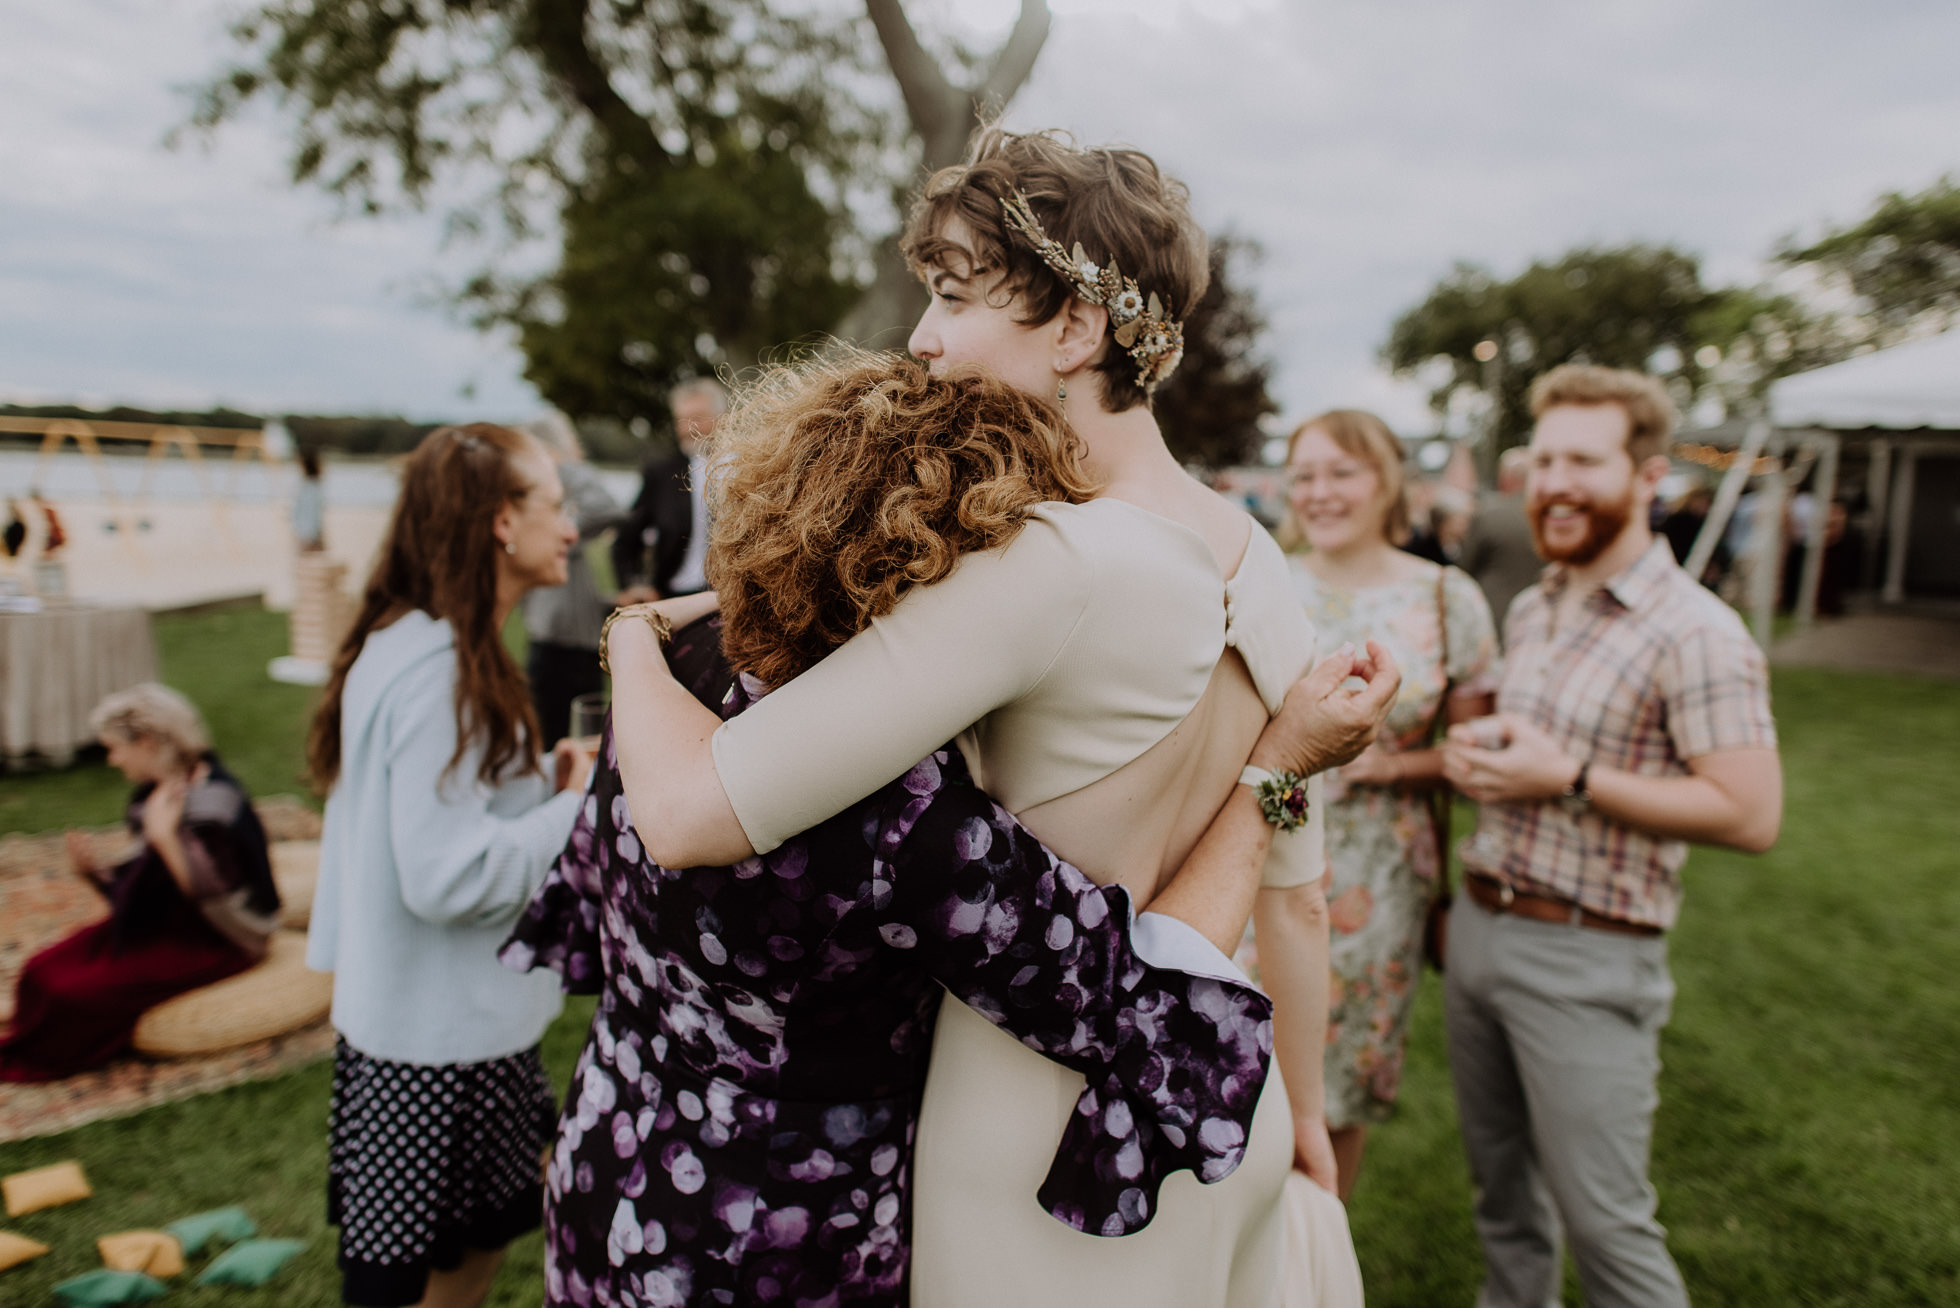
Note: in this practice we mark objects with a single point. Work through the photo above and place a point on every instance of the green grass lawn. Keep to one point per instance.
(1808, 1128)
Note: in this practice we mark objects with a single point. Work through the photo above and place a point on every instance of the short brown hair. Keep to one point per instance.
(1364, 436)
(1116, 202)
(839, 483)
(1649, 411)
(440, 556)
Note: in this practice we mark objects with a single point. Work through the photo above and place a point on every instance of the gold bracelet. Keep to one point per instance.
(663, 628)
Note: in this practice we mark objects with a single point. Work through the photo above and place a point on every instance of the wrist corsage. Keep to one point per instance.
(1282, 796)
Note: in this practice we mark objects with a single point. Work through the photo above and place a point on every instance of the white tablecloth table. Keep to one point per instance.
(58, 664)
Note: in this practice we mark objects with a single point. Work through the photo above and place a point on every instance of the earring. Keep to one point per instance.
(1061, 388)
(510, 547)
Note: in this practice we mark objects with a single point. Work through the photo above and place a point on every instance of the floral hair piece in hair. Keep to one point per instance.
(1141, 326)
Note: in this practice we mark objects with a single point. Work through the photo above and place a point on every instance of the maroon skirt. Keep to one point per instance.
(78, 1000)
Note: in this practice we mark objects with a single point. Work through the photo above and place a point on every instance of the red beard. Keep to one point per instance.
(1604, 523)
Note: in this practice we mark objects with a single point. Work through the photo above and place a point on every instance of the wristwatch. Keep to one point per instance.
(1575, 798)
(1282, 796)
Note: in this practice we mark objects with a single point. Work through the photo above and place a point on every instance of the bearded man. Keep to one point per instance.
(1633, 718)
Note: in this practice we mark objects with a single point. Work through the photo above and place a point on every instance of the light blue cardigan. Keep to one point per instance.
(421, 875)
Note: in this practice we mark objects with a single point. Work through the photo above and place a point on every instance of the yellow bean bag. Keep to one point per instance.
(274, 996)
(44, 1187)
(17, 1249)
(295, 870)
(154, 1253)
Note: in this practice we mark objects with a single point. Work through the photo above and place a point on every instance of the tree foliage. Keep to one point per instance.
(942, 109)
(1210, 408)
(1903, 260)
(1636, 306)
(694, 157)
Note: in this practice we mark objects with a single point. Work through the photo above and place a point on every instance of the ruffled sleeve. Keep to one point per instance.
(559, 928)
(1175, 1060)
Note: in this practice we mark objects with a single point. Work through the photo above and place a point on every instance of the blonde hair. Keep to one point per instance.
(839, 483)
(153, 712)
(1649, 411)
(1364, 436)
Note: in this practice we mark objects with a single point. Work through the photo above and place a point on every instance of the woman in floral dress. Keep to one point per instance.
(742, 1118)
(1345, 495)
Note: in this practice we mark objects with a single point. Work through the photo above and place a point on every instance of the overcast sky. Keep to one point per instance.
(1366, 145)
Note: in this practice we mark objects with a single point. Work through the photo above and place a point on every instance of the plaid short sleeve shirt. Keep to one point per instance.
(1655, 672)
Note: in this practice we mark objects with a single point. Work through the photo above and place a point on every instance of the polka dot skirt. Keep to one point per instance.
(426, 1162)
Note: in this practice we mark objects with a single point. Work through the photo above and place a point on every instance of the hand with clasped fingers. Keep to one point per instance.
(1506, 758)
(1323, 722)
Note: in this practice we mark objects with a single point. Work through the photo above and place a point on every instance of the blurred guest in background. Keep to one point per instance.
(1450, 514)
(310, 503)
(1383, 839)
(1498, 553)
(52, 535)
(1836, 570)
(563, 621)
(194, 904)
(441, 821)
(1634, 717)
(14, 535)
(1682, 527)
(662, 548)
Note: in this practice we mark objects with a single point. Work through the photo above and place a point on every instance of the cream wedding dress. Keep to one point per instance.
(1105, 684)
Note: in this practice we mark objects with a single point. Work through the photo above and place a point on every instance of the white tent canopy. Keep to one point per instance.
(1905, 387)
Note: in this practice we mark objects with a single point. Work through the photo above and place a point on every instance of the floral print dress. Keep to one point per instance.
(740, 1124)
(1381, 842)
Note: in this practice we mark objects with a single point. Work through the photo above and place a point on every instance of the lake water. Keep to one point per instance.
(71, 477)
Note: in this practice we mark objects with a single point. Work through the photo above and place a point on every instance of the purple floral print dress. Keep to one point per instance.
(740, 1124)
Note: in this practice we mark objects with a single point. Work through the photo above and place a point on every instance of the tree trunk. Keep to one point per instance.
(943, 117)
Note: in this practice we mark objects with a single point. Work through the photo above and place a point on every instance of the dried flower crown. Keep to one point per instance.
(1142, 326)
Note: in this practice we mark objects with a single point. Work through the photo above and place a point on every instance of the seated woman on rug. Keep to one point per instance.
(194, 904)
(742, 1118)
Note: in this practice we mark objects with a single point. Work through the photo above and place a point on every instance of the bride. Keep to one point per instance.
(1105, 675)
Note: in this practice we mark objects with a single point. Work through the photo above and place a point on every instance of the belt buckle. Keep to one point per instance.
(1505, 894)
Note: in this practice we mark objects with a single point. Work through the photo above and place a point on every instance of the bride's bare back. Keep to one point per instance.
(1137, 825)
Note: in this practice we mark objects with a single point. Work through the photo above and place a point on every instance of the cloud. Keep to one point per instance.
(1368, 146)
(129, 272)
(1365, 146)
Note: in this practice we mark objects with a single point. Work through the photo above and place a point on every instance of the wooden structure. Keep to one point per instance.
(243, 444)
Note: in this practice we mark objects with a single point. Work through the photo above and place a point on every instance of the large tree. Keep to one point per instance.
(691, 160)
(1902, 260)
(1635, 306)
(1211, 407)
(696, 163)
(942, 109)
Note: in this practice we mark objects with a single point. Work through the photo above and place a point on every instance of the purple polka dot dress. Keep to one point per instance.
(739, 1127)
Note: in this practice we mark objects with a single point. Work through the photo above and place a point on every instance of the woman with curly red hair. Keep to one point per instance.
(784, 1006)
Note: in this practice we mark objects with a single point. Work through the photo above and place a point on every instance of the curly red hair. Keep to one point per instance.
(839, 483)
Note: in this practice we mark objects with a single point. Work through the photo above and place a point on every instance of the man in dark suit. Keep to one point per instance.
(662, 547)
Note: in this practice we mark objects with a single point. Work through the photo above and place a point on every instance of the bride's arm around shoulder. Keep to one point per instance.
(707, 793)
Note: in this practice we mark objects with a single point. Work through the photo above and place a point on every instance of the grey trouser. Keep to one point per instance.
(1554, 1035)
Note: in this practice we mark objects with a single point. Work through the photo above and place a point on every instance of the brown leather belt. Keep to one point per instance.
(1498, 897)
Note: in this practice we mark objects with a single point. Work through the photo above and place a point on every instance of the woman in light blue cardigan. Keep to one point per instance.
(442, 819)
